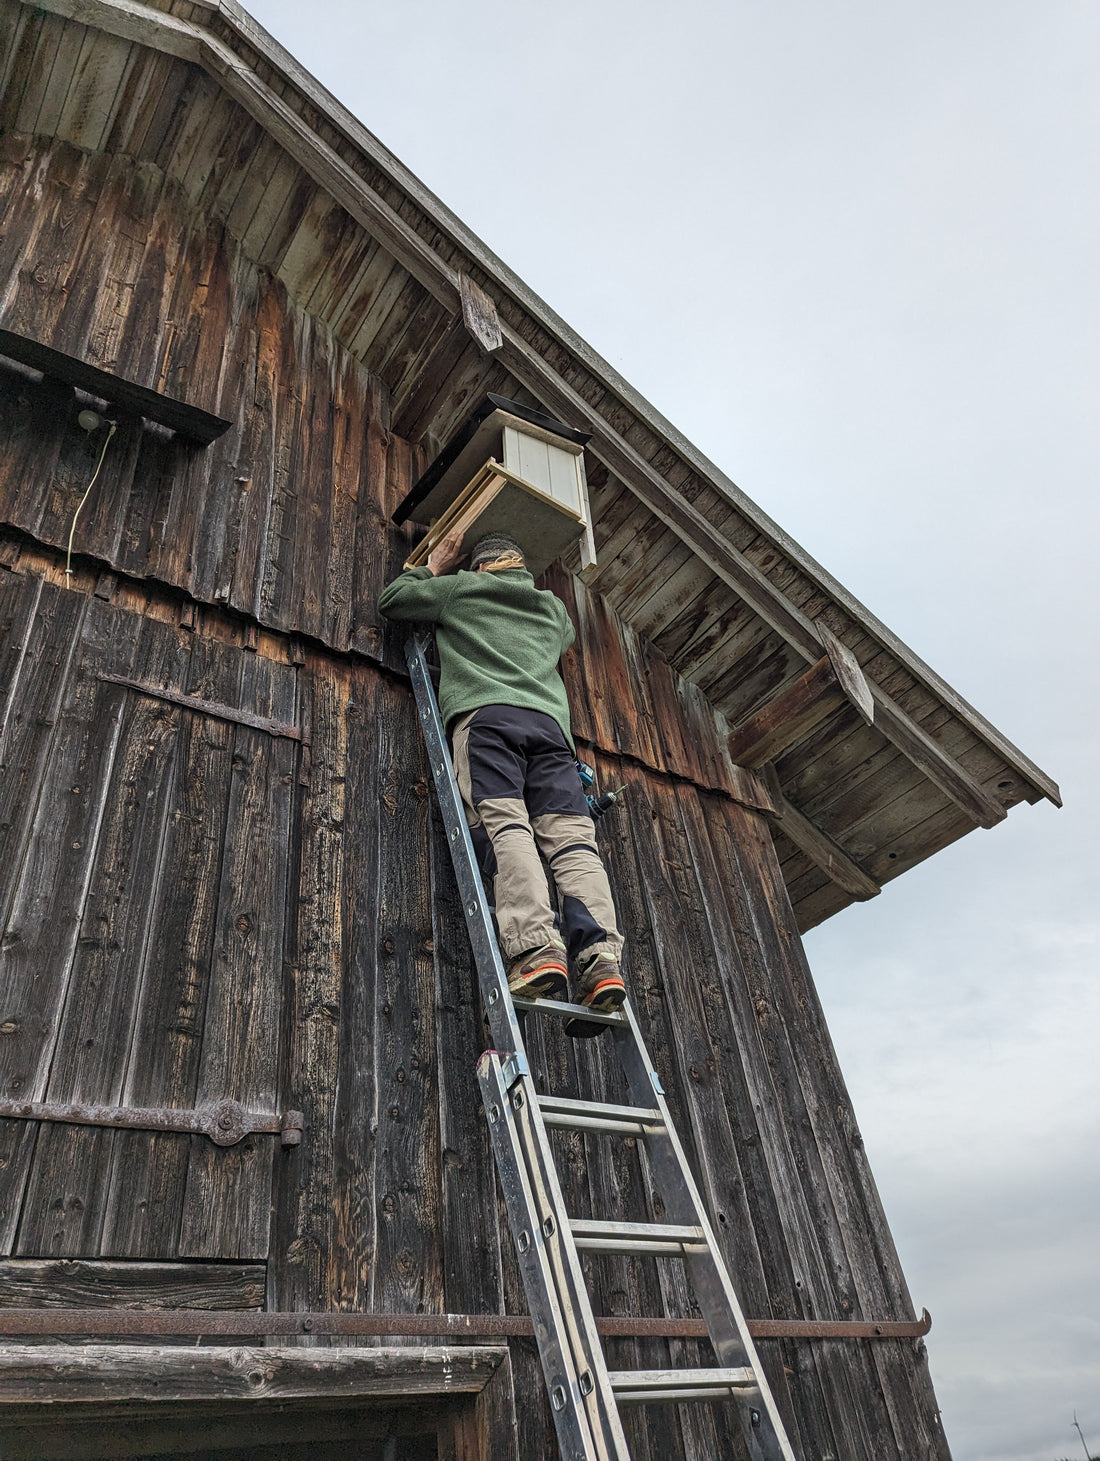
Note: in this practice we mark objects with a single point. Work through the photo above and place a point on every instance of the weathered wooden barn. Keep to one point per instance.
(222, 874)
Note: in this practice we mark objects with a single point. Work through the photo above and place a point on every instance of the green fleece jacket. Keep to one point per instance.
(499, 638)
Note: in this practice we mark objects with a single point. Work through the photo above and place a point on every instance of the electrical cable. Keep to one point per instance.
(80, 506)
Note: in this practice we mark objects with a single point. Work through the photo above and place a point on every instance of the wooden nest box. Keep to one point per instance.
(508, 469)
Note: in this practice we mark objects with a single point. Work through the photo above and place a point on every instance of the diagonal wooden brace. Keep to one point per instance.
(836, 678)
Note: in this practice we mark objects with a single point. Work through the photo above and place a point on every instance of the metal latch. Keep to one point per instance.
(224, 1122)
(513, 1068)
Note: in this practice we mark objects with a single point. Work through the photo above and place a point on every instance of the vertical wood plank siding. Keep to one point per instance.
(224, 927)
(194, 909)
(268, 519)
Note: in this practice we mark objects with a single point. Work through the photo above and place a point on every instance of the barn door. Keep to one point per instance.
(144, 849)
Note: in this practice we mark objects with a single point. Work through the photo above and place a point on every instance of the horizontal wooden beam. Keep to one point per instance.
(179, 416)
(37, 1283)
(55, 1376)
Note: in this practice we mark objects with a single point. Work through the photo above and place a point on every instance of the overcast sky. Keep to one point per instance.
(849, 247)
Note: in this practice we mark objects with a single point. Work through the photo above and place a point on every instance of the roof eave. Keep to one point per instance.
(206, 44)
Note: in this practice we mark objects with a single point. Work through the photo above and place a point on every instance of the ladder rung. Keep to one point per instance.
(642, 1387)
(608, 1237)
(600, 1116)
(572, 1011)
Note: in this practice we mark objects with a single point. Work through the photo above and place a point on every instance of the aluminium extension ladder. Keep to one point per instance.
(584, 1395)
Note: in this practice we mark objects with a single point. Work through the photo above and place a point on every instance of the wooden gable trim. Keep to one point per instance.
(188, 42)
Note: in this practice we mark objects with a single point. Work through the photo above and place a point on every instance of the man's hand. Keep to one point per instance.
(447, 553)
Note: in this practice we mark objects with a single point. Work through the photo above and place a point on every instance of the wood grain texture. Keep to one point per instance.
(361, 1010)
(138, 1372)
(55, 869)
(310, 1212)
(31, 1283)
(227, 1206)
(408, 1274)
(63, 1208)
(149, 1169)
(348, 1259)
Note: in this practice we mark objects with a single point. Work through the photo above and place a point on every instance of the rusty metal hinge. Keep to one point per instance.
(224, 1122)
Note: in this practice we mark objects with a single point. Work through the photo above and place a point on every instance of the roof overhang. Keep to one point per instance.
(684, 556)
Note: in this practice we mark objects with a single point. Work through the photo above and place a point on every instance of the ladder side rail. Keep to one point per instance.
(503, 1022)
(567, 1289)
(576, 1303)
(548, 1212)
(556, 1345)
(729, 1332)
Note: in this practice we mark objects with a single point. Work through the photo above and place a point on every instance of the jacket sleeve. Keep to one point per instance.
(417, 596)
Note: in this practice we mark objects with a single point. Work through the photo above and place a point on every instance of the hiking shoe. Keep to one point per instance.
(540, 974)
(599, 987)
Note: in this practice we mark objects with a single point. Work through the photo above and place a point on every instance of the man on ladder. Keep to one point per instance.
(505, 708)
(515, 778)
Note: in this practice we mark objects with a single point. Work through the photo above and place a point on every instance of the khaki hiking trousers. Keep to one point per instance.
(523, 797)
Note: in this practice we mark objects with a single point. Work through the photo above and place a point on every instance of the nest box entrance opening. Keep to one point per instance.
(512, 470)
